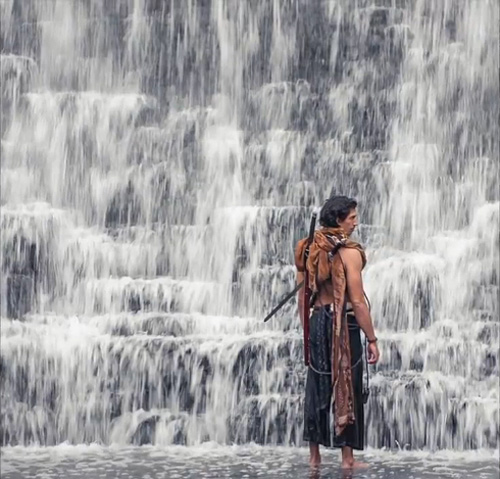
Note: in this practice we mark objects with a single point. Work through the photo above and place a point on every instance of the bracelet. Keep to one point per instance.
(370, 341)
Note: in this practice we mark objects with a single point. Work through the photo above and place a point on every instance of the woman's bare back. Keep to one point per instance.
(325, 294)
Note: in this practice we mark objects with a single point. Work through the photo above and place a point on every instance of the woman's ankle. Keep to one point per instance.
(315, 457)
(347, 456)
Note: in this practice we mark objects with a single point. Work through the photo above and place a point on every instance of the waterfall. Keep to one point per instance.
(161, 159)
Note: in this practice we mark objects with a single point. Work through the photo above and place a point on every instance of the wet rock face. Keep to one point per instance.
(160, 160)
(21, 268)
(20, 294)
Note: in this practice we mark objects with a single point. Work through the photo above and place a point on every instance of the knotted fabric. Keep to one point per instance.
(325, 264)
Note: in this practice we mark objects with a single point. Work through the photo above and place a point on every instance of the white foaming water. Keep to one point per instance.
(160, 160)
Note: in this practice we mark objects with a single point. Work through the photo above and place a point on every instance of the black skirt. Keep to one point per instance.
(318, 421)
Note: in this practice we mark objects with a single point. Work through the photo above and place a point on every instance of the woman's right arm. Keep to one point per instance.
(354, 265)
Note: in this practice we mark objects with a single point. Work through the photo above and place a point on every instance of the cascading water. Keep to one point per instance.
(159, 161)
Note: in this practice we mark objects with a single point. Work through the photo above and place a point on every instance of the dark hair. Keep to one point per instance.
(337, 207)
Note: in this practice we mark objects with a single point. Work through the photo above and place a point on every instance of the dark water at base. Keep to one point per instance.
(92, 462)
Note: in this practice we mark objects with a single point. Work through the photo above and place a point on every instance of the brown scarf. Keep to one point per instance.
(322, 267)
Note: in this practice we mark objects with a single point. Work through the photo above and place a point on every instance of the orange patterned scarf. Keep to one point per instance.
(322, 266)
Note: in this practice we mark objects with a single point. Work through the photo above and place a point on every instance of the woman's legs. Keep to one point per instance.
(314, 455)
(347, 457)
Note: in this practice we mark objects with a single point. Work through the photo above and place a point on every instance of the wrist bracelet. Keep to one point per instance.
(370, 341)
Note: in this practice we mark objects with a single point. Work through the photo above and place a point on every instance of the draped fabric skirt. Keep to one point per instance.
(318, 420)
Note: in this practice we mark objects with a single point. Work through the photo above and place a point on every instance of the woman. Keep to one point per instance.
(334, 266)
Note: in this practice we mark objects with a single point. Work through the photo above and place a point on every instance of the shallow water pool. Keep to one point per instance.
(212, 461)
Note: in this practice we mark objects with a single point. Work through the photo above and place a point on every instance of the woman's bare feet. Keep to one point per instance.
(352, 464)
(315, 462)
(348, 461)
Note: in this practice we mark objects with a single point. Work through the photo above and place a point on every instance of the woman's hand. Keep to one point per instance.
(373, 353)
